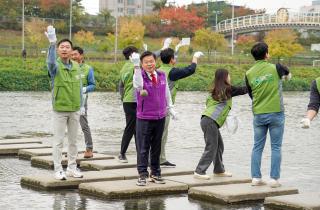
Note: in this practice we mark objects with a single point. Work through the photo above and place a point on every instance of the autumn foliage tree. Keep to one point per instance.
(131, 32)
(283, 43)
(35, 32)
(84, 38)
(245, 43)
(179, 21)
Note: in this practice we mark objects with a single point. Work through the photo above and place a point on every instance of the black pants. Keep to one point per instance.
(149, 135)
(130, 130)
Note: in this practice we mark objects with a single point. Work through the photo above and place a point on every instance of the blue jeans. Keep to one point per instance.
(274, 122)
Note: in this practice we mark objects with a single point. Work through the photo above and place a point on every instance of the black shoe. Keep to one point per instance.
(157, 179)
(142, 181)
(167, 164)
(122, 158)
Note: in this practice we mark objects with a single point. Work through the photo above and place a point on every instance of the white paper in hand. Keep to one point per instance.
(232, 123)
(185, 41)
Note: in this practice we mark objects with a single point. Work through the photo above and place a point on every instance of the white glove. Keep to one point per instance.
(198, 54)
(135, 59)
(84, 90)
(166, 43)
(305, 123)
(51, 34)
(287, 77)
(178, 46)
(232, 124)
(82, 110)
(173, 114)
(145, 47)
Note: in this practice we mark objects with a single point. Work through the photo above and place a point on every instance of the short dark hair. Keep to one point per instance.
(127, 52)
(147, 53)
(166, 55)
(259, 51)
(64, 40)
(79, 49)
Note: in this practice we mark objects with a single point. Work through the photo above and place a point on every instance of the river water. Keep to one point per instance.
(28, 114)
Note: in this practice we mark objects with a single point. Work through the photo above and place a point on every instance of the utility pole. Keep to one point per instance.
(116, 34)
(232, 30)
(70, 21)
(23, 26)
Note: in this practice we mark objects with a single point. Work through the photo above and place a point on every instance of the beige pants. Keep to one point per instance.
(61, 121)
(163, 157)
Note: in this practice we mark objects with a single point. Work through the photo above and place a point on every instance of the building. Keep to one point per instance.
(315, 7)
(127, 7)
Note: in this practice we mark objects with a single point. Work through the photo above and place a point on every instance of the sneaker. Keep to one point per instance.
(274, 183)
(201, 176)
(257, 182)
(60, 175)
(74, 173)
(122, 158)
(157, 179)
(141, 181)
(88, 153)
(224, 174)
(167, 164)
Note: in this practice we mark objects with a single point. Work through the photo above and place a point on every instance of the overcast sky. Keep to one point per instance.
(92, 6)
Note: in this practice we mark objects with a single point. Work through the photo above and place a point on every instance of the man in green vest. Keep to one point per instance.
(173, 74)
(129, 102)
(66, 86)
(264, 83)
(88, 85)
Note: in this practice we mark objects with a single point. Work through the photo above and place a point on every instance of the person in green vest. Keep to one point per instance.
(88, 86)
(264, 82)
(314, 104)
(129, 101)
(65, 76)
(173, 74)
(218, 106)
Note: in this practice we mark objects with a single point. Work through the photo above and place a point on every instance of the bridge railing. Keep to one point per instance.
(267, 19)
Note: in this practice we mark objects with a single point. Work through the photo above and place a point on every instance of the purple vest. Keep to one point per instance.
(153, 106)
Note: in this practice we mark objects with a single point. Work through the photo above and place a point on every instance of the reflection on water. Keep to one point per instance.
(28, 114)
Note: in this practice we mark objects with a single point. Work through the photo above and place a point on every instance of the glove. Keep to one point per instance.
(145, 47)
(305, 123)
(232, 124)
(178, 46)
(198, 54)
(173, 114)
(143, 92)
(287, 77)
(84, 90)
(135, 59)
(166, 43)
(82, 110)
(51, 34)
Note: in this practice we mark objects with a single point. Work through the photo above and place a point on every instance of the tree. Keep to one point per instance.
(84, 38)
(152, 22)
(131, 32)
(210, 40)
(245, 43)
(180, 22)
(283, 43)
(158, 5)
(35, 32)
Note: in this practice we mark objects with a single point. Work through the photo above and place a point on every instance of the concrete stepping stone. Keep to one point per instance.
(48, 182)
(128, 189)
(108, 164)
(28, 153)
(238, 192)
(310, 201)
(13, 149)
(192, 182)
(47, 161)
(21, 141)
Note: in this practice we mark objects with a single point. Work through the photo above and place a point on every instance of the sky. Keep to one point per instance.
(92, 6)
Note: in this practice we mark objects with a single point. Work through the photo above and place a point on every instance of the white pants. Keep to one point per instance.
(61, 120)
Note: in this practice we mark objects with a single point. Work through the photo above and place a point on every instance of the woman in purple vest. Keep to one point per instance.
(153, 103)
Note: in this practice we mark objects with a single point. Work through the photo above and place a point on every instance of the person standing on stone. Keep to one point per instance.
(88, 86)
(153, 103)
(128, 99)
(264, 82)
(173, 75)
(218, 106)
(65, 76)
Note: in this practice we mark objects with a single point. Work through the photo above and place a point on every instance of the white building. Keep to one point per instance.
(315, 7)
(127, 7)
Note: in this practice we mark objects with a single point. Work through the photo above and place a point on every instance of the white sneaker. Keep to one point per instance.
(224, 174)
(74, 173)
(60, 175)
(201, 176)
(257, 182)
(274, 183)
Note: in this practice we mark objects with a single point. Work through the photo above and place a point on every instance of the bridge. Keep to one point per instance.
(264, 22)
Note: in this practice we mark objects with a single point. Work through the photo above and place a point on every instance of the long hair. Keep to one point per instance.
(221, 90)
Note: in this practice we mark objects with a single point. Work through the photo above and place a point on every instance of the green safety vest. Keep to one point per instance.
(126, 77)
(266, 88)
(173, 86)
(85, 68)
(318, 84)
(218, 111)
(66, 91)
